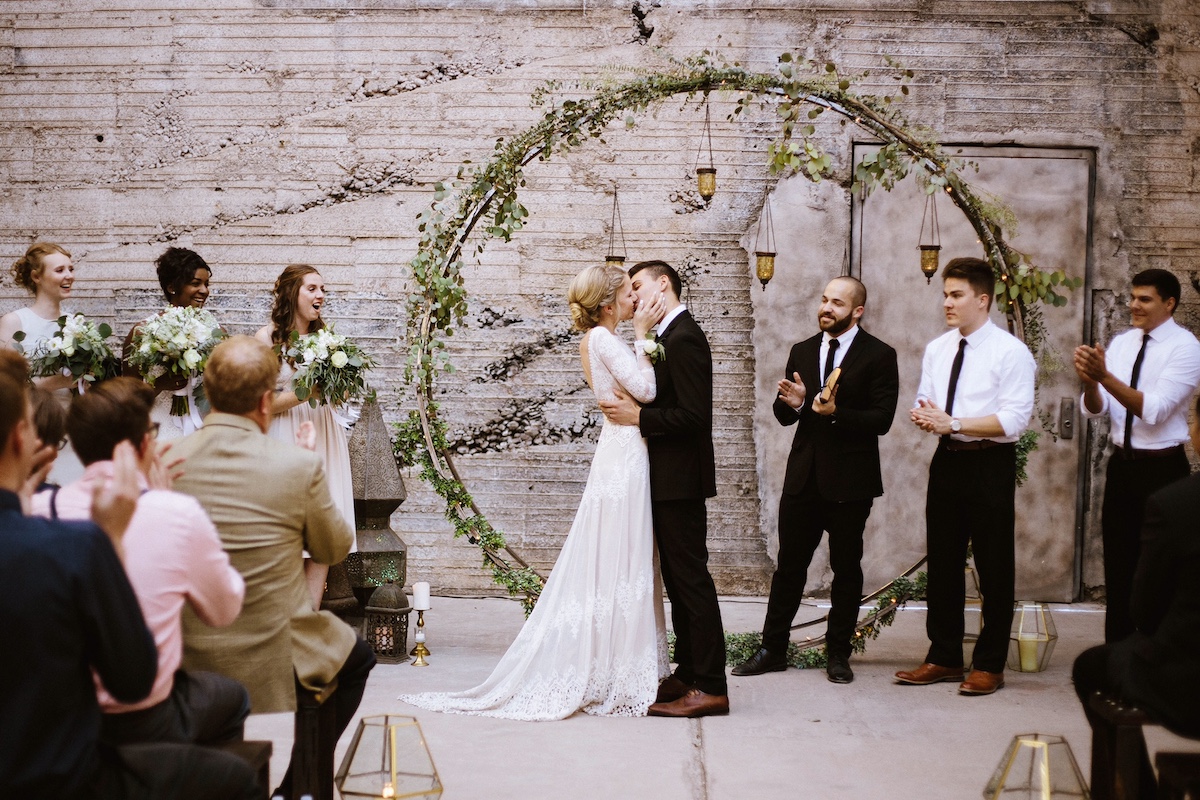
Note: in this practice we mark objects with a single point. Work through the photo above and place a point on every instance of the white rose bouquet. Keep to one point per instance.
(176, 342)
(78, 350)
(329, 367)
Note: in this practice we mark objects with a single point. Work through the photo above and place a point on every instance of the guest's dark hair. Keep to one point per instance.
(27, 269)
(240, 371)
(656, 269)
(1165, 283)
(49, 417)
(107, 414)
(14, 391)
(283, 312)
(176, 267)
(975, 271)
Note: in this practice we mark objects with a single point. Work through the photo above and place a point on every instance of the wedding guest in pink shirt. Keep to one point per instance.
(174, 559)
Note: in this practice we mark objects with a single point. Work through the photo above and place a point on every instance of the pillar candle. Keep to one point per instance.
(421, 596)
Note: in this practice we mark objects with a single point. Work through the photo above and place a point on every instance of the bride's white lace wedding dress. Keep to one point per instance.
(596, 641)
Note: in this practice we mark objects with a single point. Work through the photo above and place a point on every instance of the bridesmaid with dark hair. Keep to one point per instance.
(184, 277)
(299, 297)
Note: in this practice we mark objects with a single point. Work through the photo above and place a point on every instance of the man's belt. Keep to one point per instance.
(955, 446)
(1134, 454)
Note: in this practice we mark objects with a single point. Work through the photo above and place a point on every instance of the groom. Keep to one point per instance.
(678, 431)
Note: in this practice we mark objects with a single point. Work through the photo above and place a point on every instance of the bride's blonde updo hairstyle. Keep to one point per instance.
(591, 290)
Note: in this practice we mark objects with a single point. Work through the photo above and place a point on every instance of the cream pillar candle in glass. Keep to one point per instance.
(1027, 647)
(421, 596)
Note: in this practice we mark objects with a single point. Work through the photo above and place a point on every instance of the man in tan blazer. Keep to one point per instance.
(269, 501)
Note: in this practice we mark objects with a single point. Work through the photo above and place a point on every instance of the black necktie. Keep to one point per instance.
(1133, 382)
(955, 368)
(833, 346)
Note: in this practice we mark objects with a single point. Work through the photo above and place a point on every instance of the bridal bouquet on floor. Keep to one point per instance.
(329, 367)
(78, 351)
(177, 343)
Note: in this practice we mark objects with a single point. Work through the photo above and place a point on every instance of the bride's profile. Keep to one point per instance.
(596, 640)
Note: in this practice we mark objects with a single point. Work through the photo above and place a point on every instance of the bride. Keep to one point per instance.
(596, 641)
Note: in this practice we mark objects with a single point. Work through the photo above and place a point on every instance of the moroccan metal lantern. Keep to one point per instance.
(1037, 767)
(931, 247)
(1032, 639)
(706, 176)
(378, 491)
(615, 259)
(385, 626)
(388, 759)
(764, 247)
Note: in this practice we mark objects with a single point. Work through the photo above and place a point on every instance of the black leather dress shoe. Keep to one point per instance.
(762, 661)
(838, 670)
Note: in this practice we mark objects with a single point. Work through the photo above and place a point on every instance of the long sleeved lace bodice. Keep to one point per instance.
(613, 363)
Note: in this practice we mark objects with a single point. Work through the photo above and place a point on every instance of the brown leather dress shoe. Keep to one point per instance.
(671, 690)
(693, 704)
(980, 682)
(929, 673)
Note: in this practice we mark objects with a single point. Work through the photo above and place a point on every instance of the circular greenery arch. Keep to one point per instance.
(488, 193)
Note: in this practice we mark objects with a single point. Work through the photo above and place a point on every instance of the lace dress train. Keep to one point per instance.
(596, 640)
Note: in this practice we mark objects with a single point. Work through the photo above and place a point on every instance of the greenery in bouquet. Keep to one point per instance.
(77, 350)
(329, 367)
(176, 343)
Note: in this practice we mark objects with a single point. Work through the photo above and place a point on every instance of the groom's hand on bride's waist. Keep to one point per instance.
(622, 410)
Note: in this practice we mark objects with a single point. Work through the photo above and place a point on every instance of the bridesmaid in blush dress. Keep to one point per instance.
(299, 297)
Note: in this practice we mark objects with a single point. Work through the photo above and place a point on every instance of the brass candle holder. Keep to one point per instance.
(420, 650)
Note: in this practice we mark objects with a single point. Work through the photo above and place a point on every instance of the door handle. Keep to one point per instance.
(1066, 418)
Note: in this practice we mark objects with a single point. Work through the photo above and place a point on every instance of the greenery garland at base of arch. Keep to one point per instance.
(801, 92)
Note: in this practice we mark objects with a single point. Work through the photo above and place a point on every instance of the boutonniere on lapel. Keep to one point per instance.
(653, 348)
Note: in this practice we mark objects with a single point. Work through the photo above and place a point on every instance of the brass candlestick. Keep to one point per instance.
(420, 650)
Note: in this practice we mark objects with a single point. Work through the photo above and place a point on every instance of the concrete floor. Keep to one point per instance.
(790, 735)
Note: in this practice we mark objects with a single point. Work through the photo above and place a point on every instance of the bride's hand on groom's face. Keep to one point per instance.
(647, 314)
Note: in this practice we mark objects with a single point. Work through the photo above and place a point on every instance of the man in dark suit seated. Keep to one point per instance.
(1157, 667)
(833, 474)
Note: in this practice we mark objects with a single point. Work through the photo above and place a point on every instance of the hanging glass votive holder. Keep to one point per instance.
(764, 267)
(930, 247)
(706, 181)
(615, 259)
(764, 246)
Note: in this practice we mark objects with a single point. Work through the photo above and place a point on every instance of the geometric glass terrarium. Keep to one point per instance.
(1037, 767)
(388, 759)
(1032, 639)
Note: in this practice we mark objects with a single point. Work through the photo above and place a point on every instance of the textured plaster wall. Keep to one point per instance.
(265, 133)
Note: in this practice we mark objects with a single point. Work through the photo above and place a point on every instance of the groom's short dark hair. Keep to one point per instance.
(657, 269)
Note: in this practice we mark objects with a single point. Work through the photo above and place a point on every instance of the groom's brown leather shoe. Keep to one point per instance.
(693, 704)
(929, 673)
(980, 682)
(671, 690)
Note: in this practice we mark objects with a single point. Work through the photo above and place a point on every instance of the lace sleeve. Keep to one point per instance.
(636, 375)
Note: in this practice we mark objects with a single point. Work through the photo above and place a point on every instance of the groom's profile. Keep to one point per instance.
(677, 426)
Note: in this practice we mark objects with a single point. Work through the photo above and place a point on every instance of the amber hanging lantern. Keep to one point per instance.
(706, 176)
(764, 246)
(931, 245)
(615, 228)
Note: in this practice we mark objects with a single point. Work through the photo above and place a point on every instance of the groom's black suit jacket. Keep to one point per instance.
(842, 450)
(678, 424)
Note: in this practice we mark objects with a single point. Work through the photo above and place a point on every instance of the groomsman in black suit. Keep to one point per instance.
(683, 473)
(833, 473)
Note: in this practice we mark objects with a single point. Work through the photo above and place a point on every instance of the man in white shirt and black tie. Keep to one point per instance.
(1143, 382)
(976, 396)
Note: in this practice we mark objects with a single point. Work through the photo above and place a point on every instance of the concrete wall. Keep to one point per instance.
(264, 133)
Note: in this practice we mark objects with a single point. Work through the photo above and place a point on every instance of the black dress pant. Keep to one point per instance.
(681, 531)
(203, 708)
(1129, 483)
(351, 683)
(971, 500)
(172, 772)
(802, 520)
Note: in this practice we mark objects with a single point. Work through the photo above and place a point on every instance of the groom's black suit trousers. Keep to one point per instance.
(680, 529)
